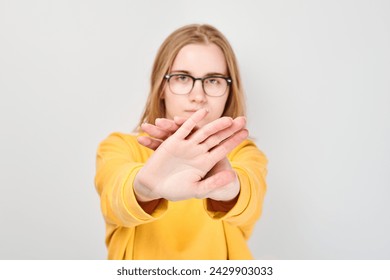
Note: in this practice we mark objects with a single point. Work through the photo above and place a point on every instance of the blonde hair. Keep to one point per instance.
(191, 34)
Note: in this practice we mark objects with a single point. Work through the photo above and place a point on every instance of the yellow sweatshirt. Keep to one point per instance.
(175, 230)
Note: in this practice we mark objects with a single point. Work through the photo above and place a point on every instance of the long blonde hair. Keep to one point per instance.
(191, 34)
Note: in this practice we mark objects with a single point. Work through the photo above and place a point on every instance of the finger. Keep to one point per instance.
(149, 142)
(190, 124)
(210, 129)
(228, 145)
(215, 139)
(218, 180)
(179, 120)
(166, 124)
(155, 131)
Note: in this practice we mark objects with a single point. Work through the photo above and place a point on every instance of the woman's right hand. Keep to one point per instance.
(177, 169)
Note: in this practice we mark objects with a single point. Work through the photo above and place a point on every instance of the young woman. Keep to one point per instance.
(188, 184)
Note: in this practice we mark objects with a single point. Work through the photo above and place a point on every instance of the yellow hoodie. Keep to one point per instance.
(175, 230)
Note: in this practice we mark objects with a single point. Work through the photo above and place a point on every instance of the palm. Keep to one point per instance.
(178, 171)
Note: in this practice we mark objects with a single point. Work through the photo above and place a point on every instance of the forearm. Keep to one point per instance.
(250, 166)
(119, 160)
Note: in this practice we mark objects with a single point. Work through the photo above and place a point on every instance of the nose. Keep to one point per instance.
(197, 94)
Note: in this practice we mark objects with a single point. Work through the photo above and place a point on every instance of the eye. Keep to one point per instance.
(214, 81)
(181, 78)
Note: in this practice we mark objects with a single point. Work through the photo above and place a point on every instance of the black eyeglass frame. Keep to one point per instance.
(228, 80)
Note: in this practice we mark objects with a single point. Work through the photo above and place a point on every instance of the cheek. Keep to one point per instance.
(220, 106)
(172, 106)
(217, 109)
(166, 101)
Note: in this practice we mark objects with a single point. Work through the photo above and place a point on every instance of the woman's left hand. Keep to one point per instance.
(163, 128)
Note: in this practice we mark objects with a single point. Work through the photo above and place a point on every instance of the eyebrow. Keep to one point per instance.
(207, 74)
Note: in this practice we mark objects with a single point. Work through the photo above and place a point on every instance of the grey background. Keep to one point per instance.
(316, 75)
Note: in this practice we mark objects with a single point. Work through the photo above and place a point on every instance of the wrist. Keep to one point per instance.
(141, 192)
(148, 204)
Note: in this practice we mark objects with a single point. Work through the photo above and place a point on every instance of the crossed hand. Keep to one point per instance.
(190, 162)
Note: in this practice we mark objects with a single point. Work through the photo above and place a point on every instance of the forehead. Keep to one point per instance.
(200, 59)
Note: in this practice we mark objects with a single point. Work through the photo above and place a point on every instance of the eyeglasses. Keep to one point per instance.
(214, 86)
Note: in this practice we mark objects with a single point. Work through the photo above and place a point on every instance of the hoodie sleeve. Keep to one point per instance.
(250, 165)
(119, 158)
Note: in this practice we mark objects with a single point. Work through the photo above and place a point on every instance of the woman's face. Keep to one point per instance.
(199, 61)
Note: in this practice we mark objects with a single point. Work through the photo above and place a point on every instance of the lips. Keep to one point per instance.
(192, 110)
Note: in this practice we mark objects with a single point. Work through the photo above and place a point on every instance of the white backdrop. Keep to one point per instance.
(316, 75)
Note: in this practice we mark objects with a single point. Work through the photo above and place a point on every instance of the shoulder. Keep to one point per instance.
(120, 142)
(248, 149)
(120, 145)
(121, 139)
(246, 145)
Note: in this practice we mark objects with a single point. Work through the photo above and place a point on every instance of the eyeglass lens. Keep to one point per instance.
(183, 84)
